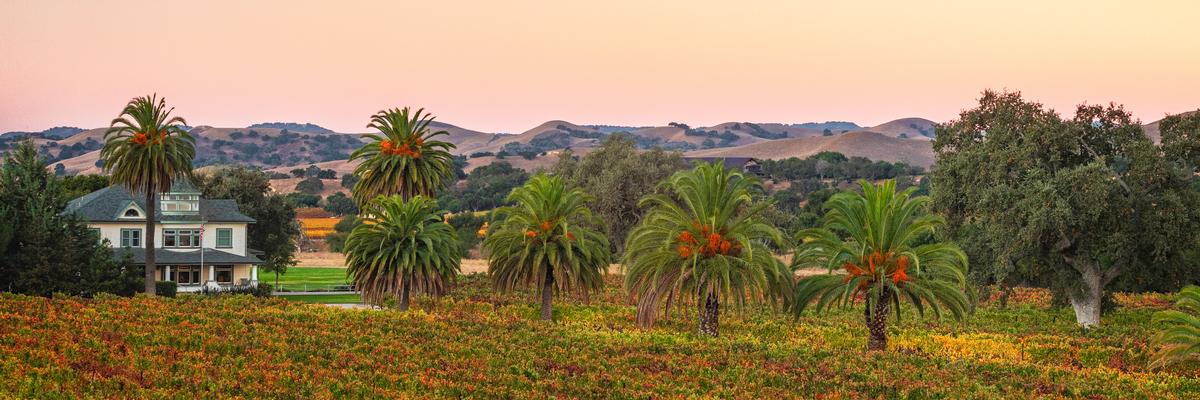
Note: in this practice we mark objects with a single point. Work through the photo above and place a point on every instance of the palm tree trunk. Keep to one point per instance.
(709, 315)
(404, 289)
(877, 321)
(148, 241)
(548, 294)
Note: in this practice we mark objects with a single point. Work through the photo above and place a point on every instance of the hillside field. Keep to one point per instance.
(477, 344)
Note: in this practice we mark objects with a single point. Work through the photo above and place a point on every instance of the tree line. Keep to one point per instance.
(836, 166)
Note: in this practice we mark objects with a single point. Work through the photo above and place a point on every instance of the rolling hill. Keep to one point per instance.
(872, 145)
(282, 146)
(905, 139)
(292, 126)
(262, 147)
(1152, 130)
(908, 128)
(55, 133)
(467, 140)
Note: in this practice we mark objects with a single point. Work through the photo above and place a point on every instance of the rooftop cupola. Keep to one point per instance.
(182, 199)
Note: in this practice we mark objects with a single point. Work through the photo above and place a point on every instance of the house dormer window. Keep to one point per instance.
(132, 211)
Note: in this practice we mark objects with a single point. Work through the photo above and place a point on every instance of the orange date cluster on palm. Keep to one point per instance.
(546, 226)
(714, 243)
(410, 148)
(144, 138)
(877, 264)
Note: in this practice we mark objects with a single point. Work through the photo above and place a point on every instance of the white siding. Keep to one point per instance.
(112, 232)
(239, 237)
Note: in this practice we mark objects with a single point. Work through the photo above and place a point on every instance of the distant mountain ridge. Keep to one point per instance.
(58, 132)
(615, 128)
(292, 126)
(861, 143)
(275, 145)
(830, 125)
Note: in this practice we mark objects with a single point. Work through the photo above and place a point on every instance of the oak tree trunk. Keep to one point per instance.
(1086, 301)
(548, 294)
(148, 242)
(709, 313)
(876, 318)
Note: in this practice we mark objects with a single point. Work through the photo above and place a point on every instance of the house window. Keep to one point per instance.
(224, 238)
(132, 213)
(96, 231)
(186, 274)
(180, 203)
(224, 273)
(131, 238)
(181, 238)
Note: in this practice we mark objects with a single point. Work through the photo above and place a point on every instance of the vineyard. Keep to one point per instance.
(477, 344)
(317, 228)
(315, 222)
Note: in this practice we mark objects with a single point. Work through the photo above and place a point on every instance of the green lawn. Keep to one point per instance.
(324, 298)
(309, 278)
(299, 279)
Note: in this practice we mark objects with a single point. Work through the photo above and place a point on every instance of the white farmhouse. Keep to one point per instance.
(199, 242)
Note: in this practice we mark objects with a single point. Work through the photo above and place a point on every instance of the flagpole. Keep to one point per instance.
(202, 250)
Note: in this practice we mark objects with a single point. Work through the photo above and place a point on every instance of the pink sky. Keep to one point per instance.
(505, 66)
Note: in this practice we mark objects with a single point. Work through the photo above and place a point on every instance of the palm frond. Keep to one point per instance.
(705, 238)
(548, 229)
(867, 246)
(402, 242)
(405, 158)
(146, 149)
(1180, 338)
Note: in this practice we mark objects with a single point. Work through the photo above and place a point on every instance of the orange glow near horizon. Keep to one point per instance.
(508, 66)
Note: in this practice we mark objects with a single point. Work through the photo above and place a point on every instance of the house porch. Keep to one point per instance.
(193, 278)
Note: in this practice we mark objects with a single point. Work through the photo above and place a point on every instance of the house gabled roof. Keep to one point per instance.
(130, 205)
(184, 186)
(108, 204)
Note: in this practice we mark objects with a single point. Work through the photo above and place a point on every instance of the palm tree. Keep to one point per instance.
(402, 247)
(873, 239)
(1180, 340)
(545, 239)
(705, 239)
(403, 159)
(146, 150)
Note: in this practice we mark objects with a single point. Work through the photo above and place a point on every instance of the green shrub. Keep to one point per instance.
(311, 185)
(166, 288)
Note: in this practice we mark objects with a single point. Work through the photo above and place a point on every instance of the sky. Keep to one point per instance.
(506, 66)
